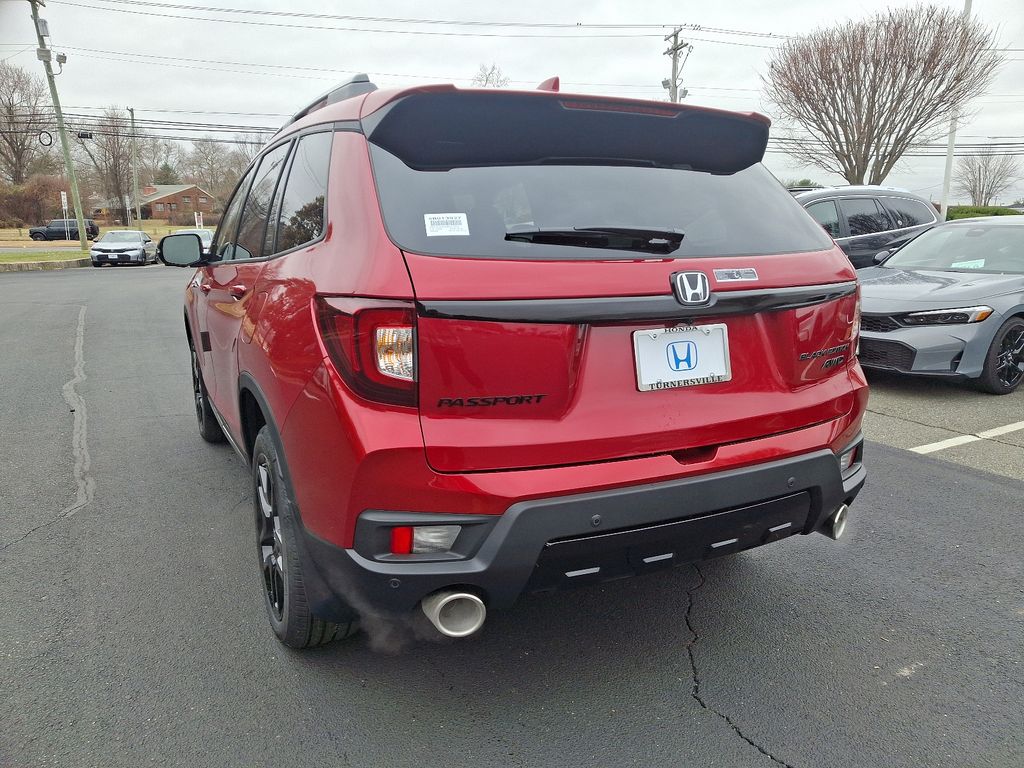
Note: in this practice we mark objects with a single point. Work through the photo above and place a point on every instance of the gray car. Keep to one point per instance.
(865, 219)
(950, 303)
(123, 246)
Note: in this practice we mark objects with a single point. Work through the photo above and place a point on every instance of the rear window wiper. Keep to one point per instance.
(643, 239)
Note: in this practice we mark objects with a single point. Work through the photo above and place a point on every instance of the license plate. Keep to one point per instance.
(683, 356)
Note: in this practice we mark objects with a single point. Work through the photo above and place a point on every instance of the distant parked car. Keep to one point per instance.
(123, 246)
(64, 229)
(950, 303)
(864, 220)
(205, 236)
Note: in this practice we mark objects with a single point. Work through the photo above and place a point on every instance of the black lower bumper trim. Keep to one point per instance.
(549, 543)
(634, 551)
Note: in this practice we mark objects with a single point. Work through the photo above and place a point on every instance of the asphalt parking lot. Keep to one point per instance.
(133, 632)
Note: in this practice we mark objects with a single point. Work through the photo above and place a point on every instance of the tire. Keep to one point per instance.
(1004, 363)
(38, 237)
(209, 429)
(96, 264)
(278, 555)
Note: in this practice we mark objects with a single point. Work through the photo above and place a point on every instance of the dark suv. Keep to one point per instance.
(864, 220)
(64, 229)
(478, 343)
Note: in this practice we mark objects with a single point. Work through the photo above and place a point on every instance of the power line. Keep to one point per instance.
(398, 31)
(446, 22)
(278, 25)
(159, 60)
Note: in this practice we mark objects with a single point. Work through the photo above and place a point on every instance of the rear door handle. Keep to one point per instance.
(238, 291)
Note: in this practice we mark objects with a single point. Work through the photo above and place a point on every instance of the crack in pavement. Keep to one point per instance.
(695, 693)
(85, 485)
(953, 432)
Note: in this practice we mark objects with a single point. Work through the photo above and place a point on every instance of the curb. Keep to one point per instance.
(37, 266)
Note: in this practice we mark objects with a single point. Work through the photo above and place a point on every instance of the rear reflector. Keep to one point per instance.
(401, 540)
(372, 344)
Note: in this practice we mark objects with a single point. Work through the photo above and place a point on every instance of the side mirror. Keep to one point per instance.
(882, 256)
(185, 250)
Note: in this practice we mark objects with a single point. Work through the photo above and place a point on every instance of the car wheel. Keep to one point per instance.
(280, 562)
(1004, 364)
(37, 237)
(96, 264)
(208, 426)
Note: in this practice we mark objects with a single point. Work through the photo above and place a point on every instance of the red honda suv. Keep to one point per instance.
(479, 343)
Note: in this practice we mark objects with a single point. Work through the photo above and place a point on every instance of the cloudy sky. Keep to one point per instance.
(179, 64)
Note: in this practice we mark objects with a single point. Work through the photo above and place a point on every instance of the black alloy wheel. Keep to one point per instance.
(282, 571)
(269, 540)
(208, 426)
(1004, 364)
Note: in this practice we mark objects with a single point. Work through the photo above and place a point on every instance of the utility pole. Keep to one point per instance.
(674, 51)
(135, 168)
(44, 54)
(951, 144)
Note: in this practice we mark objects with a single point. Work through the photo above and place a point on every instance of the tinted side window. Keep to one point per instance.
(909, 213)
(257, 207)
(864, 217)
(302, 208)
(225, 238)
(826, 214)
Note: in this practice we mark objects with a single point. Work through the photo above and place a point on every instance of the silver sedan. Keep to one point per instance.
(950, 303)
(123, 246)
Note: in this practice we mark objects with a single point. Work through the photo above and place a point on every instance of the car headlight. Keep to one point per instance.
(957, 316)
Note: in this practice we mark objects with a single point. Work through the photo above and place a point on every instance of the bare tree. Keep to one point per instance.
(490, 77)
(985, 177)
(155, 154)
(110, 153)
(247, 146)
(209, 166)
(867, 91)
(23, 115)
(244, 151)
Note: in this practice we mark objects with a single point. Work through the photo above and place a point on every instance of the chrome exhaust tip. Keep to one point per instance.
(835, 526)
(454, 613)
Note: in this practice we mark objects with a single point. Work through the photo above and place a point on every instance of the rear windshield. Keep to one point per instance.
(468, 211)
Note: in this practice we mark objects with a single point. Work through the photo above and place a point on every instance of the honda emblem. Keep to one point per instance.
(691, 288)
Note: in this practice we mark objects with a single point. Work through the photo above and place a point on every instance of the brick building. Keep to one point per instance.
(161, 201)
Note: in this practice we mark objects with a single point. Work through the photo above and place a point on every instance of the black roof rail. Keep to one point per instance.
(356, 86)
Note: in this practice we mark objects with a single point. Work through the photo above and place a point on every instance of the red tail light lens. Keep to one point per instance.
(372, 344)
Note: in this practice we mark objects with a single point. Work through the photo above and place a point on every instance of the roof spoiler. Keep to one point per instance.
(356, 86)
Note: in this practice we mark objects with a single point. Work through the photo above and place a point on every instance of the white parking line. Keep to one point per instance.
(987, 434)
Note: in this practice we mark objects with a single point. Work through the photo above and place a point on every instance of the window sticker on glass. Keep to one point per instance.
(972, 264)
(446, 224)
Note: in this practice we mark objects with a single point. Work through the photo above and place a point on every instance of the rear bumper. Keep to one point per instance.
(566, 541)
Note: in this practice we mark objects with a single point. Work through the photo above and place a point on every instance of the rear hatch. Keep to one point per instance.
(601, 279)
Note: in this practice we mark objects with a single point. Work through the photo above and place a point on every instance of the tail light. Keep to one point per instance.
(855, 331)
(372, 344)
